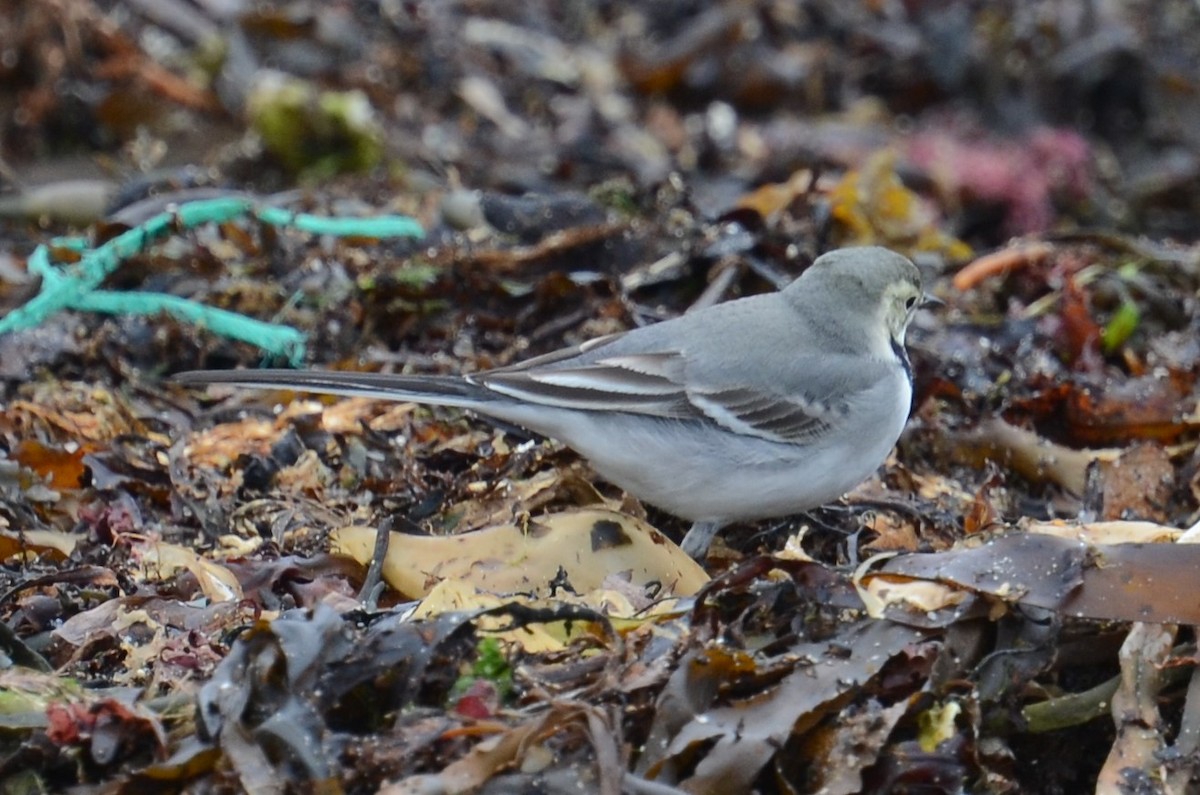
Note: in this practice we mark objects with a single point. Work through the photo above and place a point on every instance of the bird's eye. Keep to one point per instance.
(911, 302)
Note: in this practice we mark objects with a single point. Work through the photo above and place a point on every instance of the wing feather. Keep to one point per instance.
(642, 384)
(656, 384)
(776, 418)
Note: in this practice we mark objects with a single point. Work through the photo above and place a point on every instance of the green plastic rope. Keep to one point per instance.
(73, 286)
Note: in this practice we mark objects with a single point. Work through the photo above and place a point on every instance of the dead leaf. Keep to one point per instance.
(586, 545)
(58, 546)
(1116, 532)
(771, 199)
(61, 467)
(1110, 582)
(160, 560)
(745, 734)
(1027, 453)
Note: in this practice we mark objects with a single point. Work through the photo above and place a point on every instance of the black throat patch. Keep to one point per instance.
(902, 355)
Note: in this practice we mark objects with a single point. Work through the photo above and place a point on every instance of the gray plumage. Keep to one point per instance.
(754, 408)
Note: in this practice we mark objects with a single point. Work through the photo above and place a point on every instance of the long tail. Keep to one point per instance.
(441, 390)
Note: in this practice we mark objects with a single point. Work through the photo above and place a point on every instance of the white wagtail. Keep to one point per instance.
(760, 407)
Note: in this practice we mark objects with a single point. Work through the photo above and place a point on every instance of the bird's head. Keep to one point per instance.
(866, 285)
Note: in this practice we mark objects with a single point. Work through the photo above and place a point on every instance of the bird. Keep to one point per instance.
(760, 407)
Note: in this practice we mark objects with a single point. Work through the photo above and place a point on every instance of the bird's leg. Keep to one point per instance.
(698, 539)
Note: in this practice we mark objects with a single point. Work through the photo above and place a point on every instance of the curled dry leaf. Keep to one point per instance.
(580, 547)
(57, 545)
(1111, 582)
(160, 560)
(1115, 532)
(882, 594)
(1035, 458)
(746, 733)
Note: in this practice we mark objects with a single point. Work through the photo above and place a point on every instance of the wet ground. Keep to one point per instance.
(212, 589)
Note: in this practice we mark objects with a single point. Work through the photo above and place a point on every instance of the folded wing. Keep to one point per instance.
(658, 384)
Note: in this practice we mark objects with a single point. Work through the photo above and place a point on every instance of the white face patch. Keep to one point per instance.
(900, 302)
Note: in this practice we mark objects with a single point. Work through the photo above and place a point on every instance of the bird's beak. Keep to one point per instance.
(930, 301)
